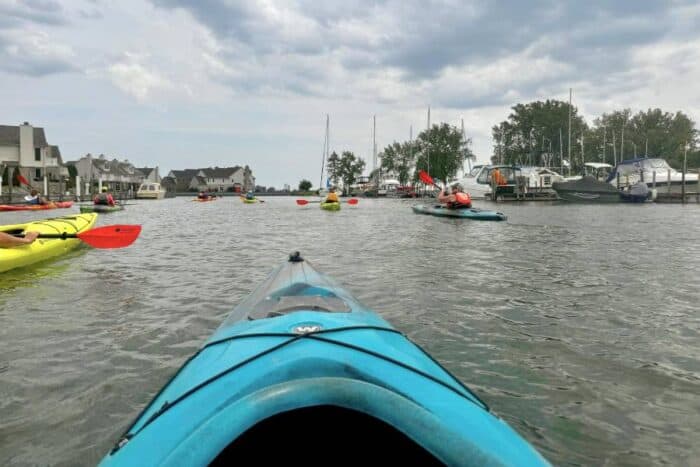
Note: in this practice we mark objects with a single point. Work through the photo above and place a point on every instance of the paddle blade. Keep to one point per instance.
(22, 180)
(111, 236)
(302, 202)
(425, 178)
(353, 201)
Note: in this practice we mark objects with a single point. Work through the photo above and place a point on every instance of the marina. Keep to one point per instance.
(349, 233)
(580, 332)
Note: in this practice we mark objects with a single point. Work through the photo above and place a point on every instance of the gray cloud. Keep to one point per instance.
(33, 54)
(421, 40)
(46, 12)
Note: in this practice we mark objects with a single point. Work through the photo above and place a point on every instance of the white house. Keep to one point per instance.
(24, 149)
(99, 171)
(235, 178)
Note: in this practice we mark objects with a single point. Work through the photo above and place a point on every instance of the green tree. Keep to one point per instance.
(653, 133)
(304, 185)
(333, 167)
(441, 151)
(349, 168)
(537, 134)
(399, 158)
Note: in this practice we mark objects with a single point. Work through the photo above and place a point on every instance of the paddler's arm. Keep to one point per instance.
(8, 241)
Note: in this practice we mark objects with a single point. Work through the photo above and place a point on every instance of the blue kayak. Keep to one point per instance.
(302, 373)
(465, 213)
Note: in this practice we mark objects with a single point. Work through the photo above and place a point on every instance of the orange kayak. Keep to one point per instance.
(35, 207)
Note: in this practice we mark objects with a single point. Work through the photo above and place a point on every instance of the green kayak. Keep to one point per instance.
(464, 213)
(330, 206)
(101, 208)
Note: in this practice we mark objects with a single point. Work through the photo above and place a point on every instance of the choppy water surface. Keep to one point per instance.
(579, 325)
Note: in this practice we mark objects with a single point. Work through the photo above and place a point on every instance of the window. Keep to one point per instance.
(37, 154)
(37, 174)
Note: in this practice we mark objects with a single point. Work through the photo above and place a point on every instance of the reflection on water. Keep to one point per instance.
(576, 324)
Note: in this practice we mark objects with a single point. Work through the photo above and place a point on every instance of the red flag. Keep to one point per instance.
(21, 179)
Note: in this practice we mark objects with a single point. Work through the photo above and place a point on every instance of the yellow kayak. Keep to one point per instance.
(44, 248)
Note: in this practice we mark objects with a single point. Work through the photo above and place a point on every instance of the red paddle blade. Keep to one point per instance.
(353, 201)
(425, 178)
(22, 180)
(302, 202)
(111, 236)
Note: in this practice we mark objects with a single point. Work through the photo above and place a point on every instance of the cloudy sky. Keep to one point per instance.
(184, 84)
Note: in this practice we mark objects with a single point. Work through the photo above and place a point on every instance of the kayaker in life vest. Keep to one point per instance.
(9, 241)
(250, 195)
(455, 197)
(35, 198)
(332, 196)
(105, 198)
(202, 195)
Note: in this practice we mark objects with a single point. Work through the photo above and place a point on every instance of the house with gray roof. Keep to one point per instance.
(235, 178)
(101, 170)
(24, 150)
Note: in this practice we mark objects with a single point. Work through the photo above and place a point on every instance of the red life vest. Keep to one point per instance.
(463, 199)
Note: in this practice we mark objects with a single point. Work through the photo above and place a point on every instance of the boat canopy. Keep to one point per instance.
(633, 167)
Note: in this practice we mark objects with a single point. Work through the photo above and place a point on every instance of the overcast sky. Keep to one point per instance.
(185, 84)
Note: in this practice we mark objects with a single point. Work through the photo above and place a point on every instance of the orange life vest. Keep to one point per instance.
(463, 199)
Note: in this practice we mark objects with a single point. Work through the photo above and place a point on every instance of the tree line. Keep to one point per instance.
(537, 134)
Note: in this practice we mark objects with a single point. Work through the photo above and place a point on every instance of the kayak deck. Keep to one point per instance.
(330, 206)
(42, 248)
(463, 213)
(36, 207)
(302, 365)
(102, 208)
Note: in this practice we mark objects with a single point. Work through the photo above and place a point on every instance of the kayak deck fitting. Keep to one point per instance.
(301, 369)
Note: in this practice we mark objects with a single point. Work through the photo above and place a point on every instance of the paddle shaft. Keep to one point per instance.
(62, 236)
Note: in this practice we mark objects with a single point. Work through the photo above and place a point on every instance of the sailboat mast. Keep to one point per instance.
(569, 146)
(428, 145)
(469, 160)
(377, 171)
(325, 153)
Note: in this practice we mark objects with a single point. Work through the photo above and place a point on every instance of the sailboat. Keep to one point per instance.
(323, 188)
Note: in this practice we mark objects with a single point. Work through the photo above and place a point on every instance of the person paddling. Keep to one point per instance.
(455, 198)
(332, 196)
(250, 195)
(104, 199)
(9, 241)
(35, 198)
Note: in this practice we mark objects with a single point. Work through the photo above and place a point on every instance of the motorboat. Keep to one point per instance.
(150, 190)
(652, 171)
(587, 189)
(478, 181)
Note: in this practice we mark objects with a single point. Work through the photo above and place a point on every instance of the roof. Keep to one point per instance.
(9, 136)
(597, 165)
(221, 172)
(145, 170)
(185, 174)
(55, 152)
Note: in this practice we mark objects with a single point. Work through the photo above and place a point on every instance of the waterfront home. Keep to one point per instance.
(235, 179)
(150, 174)
(24, 150)
(96, 172)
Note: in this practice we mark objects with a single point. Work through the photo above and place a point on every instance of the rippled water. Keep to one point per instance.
(579, 325)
